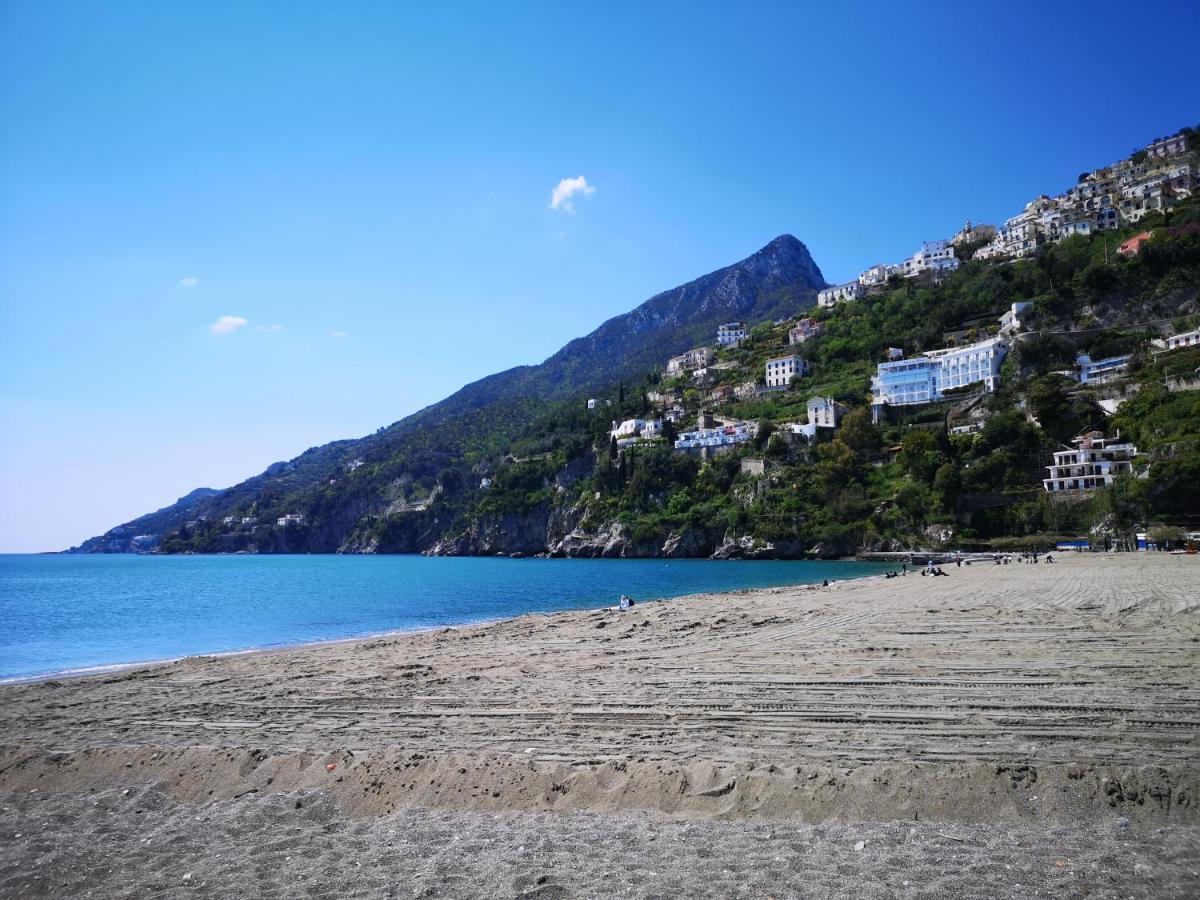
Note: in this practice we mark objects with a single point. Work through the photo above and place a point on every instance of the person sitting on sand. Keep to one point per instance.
(626, 601)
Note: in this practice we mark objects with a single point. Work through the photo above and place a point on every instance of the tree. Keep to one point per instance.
(670, 432)
(859, 434)
(919, 455)
(948, 484)
(765, 430)
(1125, 503)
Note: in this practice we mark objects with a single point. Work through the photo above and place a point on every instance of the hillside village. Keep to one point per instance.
(1020, 385)
(1156, 179)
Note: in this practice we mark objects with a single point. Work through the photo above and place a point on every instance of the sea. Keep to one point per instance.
(75, 614)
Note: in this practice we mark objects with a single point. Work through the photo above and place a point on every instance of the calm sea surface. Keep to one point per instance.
(66, 613)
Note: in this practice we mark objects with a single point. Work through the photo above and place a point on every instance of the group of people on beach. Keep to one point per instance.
(1031, 558)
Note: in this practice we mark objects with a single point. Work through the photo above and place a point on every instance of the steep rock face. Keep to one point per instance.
(780, 279)
(510, 534)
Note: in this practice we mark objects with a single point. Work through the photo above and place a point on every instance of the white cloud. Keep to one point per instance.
(190, 282)
(270, 329)
(335, 333)
(560, 198)
(226, 324)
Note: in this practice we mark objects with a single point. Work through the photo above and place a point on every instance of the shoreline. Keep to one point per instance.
(1031, 715)
(125, 666)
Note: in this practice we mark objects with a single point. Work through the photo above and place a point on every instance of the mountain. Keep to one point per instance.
(388, 491)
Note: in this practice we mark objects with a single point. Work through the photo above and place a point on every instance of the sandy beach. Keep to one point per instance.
(1004, 731)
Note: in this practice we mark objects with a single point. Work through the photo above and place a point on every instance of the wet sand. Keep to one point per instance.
(1044, 717)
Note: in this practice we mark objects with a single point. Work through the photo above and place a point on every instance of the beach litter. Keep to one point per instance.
(329, 767)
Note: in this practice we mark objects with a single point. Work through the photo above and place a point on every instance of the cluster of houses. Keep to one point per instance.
(1104, 199)
(934, 260)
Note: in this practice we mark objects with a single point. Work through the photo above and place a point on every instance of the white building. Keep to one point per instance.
(934, 256)
(1095, 462)
(695, 359)
(824, 412)
(925, 378)
(289, 519)
(1187, 339)
(1010, 322)
(878, 274)
(781, 370)
(1020, 236)
(632, 428)
(731, 333)
(978, 362)
(1101, 370)
(851, 290)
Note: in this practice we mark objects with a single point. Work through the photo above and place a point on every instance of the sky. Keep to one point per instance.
(232, 231)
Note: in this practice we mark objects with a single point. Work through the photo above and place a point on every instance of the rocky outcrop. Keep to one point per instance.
(747, 547)
(689, 543)
(507, 534)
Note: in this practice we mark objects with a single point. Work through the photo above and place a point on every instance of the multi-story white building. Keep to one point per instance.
(1021, 235)
(824, 412)
(1075, 224)
(695, 359)
(905, 382)
(1095, 462)
(878, 274)
(731, 333)
(978, 362)
(1166, 147)
(925, 378)
(1099, 371)
(289, 519)
(782, 369)
(934, 256)
(803, 330)
(851, 290)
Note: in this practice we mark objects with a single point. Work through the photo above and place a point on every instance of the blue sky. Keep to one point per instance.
(368, 187)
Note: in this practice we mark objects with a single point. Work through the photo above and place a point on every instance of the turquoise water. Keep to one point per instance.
(67, 613)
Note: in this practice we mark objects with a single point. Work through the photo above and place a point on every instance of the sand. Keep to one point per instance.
(1004, 731)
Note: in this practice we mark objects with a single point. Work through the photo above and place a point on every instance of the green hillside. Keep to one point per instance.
(545, 477)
